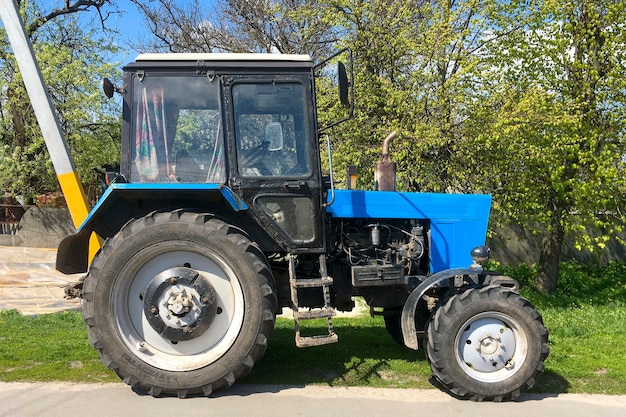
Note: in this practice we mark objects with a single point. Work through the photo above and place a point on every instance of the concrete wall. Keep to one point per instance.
(41, 227)
(513, 245)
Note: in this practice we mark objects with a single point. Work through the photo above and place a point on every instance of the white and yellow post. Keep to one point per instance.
(46, 117)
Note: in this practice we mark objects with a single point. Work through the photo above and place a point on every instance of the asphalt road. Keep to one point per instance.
(118, 400)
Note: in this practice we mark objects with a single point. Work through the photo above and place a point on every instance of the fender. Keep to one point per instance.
(477, 276)
(122, 202)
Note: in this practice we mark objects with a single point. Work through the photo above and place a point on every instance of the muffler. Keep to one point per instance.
(385, 169)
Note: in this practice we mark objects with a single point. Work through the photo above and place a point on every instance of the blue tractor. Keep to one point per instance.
(221, 218)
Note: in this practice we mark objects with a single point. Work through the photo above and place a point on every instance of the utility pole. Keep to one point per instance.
(46, 116)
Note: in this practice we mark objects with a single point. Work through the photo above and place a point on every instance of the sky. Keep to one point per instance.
(129, 23)
(131, 27)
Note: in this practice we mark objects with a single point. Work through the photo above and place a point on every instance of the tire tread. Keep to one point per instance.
(440, 322)
(235, 236)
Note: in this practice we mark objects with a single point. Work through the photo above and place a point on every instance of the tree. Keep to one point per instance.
(524, 100)
(288, 26)
(72, 60)
(409, 63)
(415, 66)
(552, 128)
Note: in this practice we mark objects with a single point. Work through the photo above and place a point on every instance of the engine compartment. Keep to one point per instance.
(385, 242)
(384, 251)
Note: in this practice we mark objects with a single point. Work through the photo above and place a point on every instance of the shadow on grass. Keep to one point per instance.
(551, 383)
(365, 356)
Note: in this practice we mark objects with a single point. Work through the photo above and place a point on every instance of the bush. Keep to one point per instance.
(579, 284)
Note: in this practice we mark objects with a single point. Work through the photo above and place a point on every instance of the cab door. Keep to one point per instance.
(275, 166)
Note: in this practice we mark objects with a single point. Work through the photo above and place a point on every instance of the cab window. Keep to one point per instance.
(177, 130)
(270, 130)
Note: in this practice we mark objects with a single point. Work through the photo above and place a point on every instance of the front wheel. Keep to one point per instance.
(179, 303)
(487, 343)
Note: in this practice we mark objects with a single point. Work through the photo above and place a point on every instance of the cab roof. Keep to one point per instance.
(223, 57)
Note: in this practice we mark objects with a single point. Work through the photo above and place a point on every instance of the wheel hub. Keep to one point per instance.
(488, 345)
(180, 304)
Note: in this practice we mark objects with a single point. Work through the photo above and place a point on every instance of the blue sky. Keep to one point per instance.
(131, 27)
(129, 23)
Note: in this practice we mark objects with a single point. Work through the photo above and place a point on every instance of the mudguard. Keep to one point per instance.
(125, 201)
(478, 276)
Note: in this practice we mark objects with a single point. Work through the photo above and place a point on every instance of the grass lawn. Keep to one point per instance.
(587, 341)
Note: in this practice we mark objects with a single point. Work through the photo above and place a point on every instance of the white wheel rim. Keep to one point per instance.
(144, 342)
(491, 347)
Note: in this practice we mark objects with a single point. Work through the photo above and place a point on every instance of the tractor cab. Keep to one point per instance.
(246, 121)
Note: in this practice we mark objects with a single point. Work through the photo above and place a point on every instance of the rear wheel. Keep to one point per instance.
(179, 303)
(393, 324)
(487, 344)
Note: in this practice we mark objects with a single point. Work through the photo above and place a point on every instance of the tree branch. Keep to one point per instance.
(69, 7)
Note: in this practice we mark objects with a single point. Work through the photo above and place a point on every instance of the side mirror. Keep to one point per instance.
(343, 84)
(274, 135)
(109, 88)
(343, 78)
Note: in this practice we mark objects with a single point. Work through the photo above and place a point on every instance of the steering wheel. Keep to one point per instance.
(254, 157)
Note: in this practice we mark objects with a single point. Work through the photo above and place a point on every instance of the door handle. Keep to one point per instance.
(294, 184)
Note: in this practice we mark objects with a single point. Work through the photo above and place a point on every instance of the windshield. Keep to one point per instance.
(271, 129)
(177, 130)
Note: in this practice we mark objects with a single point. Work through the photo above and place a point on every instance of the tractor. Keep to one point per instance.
(221, 217)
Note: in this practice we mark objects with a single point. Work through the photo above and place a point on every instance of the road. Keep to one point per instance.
(118, 400)
(30, 284)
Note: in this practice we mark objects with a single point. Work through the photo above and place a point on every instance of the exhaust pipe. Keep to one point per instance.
(385, 169)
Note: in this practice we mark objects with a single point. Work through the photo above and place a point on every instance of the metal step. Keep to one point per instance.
(321, 313)
(312, 282)
(326, 312)
(319, 340)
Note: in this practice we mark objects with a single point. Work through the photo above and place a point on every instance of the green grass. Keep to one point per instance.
(587, 350)
(364, 356)
(49, 347)
(586, 319)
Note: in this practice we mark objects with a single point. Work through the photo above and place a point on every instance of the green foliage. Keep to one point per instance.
(550, 128)
(413, 74)
(524, 101)
(580, 285)
(73, 60)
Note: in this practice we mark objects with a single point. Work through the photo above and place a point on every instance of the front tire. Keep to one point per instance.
(179, 303)
(487, 343)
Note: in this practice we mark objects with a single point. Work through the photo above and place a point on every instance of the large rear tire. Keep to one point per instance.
(487, 343)
(179, 303)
